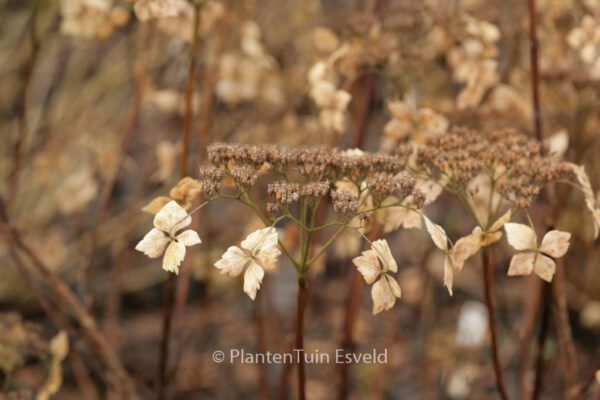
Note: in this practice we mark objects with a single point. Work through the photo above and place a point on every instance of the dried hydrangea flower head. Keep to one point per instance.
(474, 61)
(168, 223)
(534, 258)
(258, 252)
(378, 262)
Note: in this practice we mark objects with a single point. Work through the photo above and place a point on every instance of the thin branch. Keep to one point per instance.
(121, 379)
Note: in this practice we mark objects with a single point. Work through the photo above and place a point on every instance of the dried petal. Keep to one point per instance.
(172, 218)
(384, 253)
(544, 267)
(520, 237)
(233, 261)
(173, 257)
(521, 264)
(252, 279)
(437, 233)
(153, 244)
(555, 243)
(368, 265)
(189, 238)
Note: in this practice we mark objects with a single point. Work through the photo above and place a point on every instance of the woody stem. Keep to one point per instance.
(488, 280)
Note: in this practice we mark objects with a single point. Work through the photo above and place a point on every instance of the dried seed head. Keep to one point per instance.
(244, 174)
(344, 202)
(210, 177)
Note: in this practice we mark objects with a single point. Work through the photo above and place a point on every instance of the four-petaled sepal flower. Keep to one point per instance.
(258, 252)
(376, 263)
(533, 258)
(171, 219)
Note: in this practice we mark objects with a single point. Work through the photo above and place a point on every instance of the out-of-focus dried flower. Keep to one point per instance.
(406, 122)
(171, 219)
(166, 154)
(585, 39)
(248, 75)
(149, 9)
(258, 253)
(331, 101)
(77, 190)
(91, 18)
(377, 263)
(59, 348)
(474, 61)
(186, 191)
(533, 258)
(325, 40)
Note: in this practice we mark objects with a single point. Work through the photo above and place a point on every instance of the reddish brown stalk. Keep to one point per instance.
(361, 107)
(188, 117)
(23, 110)
(532, 301)
(535, 75)
(299, 340)
(205, 123)
(170, 283)
(488, 280)
(542, 337)
(261, 344)
(117, 373)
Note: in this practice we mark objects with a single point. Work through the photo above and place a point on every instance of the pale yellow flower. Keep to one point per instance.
(171, 219)
(377, 263)
(533, 258)
(258, 252)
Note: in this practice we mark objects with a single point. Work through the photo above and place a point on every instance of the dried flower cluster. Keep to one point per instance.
(418, 125)
(474, 62)
(515, 163)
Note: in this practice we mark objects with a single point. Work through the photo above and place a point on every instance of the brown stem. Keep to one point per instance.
(262, 348)
(535, 78)
(488, 280)
(188, 117)
(168, 293)
(532, 301)
(169, 287)
(543, 335)
(205, 123)
(121, 379)
(299, 341)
